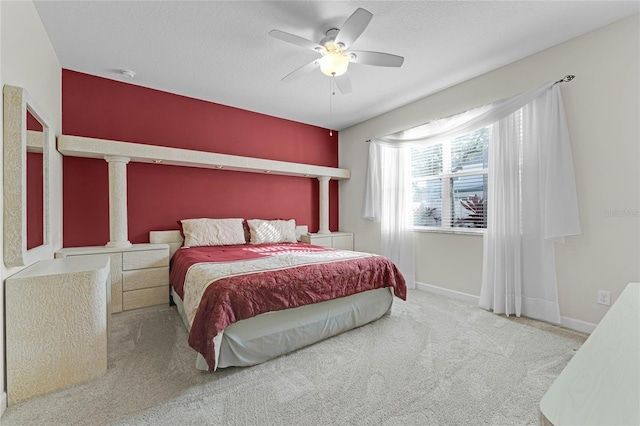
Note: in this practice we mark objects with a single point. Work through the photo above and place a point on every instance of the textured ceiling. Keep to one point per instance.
(221, 51)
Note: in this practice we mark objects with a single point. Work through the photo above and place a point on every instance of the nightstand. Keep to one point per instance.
(139, 274)
(339, 240)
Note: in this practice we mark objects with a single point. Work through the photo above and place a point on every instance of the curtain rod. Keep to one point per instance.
(567, 78)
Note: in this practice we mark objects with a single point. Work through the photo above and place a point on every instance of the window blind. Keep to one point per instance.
(449, 182)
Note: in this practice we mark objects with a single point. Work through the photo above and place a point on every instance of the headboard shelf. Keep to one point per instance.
(119, 154)
(77, 146)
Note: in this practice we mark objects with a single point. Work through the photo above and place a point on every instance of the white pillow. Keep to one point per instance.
(213, 232)
(272, 231)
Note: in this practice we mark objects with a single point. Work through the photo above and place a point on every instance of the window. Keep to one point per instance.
(449, 182)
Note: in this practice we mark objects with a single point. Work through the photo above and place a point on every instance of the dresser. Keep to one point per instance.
(339, 240)
(139, 273)
(57, 320)
(601, 383)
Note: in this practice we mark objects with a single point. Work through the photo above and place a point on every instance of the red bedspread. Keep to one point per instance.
(231, 299)
(185, 257)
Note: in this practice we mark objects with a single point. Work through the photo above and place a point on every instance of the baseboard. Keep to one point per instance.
(3, 403)
(570, 323)
(452, 294)
(577, 325)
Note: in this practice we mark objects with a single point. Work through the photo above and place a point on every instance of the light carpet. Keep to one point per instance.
(432, 361)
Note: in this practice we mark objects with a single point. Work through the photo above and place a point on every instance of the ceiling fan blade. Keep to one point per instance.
(375, 58)
(344, 83)
(300, 71)
(353, 27)
(297, 40)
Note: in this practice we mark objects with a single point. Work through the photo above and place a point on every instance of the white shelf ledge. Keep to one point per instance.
(76, 146)
(118, 154)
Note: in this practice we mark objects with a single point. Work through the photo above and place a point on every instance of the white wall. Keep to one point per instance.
(603, 110)
(29, 61)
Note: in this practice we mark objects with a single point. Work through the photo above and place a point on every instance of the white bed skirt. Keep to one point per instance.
(266, 336)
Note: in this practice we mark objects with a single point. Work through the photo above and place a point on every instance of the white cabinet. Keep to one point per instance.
(339, 240)
(139, 274)
(601, 383)
(57, 325)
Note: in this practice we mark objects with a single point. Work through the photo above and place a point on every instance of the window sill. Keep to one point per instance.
(457, 231)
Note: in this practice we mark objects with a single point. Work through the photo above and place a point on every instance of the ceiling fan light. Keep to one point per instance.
(334, 64)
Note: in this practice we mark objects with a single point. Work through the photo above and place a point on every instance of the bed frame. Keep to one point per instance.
(258, 339)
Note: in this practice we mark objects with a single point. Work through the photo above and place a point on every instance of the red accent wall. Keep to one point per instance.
(159, 195)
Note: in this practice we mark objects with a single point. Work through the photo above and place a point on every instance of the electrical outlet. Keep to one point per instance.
(604, 297)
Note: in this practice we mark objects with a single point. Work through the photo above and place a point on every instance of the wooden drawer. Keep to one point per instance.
(145, 297)
(131, 264)
(144, 278)
(142, 259)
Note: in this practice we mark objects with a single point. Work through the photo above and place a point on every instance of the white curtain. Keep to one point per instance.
(388, 201)
(546, 210)
(501, 270)
(531, 196)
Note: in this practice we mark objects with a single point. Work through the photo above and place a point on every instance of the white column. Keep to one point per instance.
(118, 231)
(324, 205)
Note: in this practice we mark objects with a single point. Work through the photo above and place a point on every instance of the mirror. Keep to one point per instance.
(27, 140)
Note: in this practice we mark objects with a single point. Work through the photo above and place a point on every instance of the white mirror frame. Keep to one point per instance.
(16, 102)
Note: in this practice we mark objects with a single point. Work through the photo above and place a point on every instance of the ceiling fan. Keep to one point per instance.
(334, 50)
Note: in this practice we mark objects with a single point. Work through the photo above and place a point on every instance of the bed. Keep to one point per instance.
(244, 304)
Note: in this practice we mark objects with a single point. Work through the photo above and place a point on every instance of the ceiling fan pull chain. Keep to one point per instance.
(331, 93)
